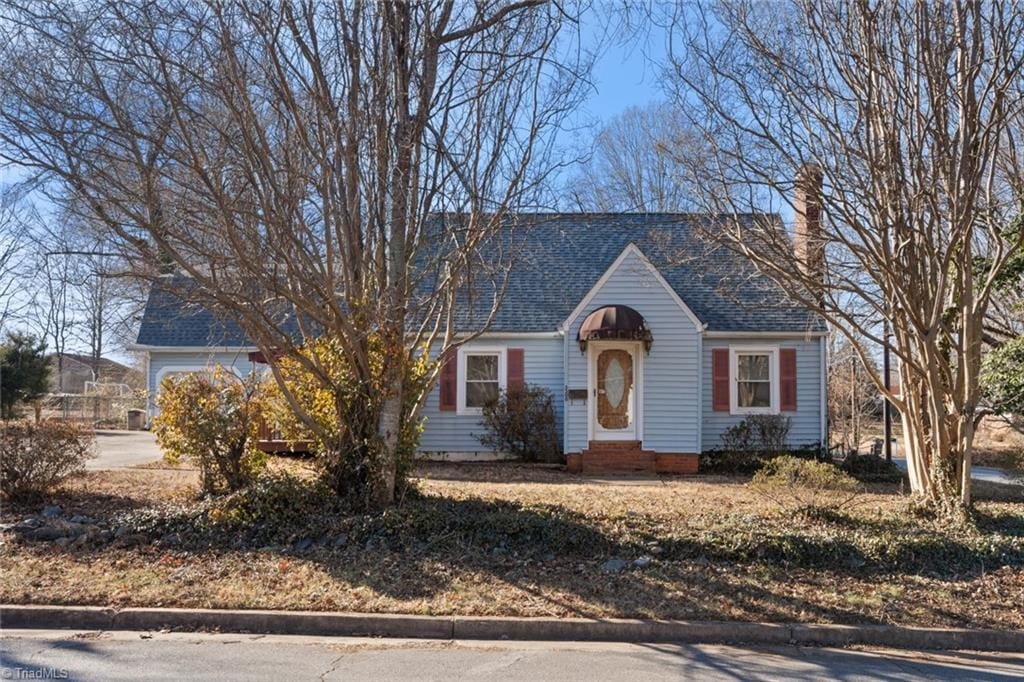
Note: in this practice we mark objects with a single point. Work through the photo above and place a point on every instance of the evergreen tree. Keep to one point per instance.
(24, 371)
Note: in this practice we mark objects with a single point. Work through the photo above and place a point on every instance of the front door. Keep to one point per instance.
(614, 389)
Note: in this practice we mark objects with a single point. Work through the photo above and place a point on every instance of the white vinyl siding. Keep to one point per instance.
(805, 422)
(671, 371)
(452, 432)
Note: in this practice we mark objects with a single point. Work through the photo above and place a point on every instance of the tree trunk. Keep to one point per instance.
(968, 457)
(937, 449)
(388, 431)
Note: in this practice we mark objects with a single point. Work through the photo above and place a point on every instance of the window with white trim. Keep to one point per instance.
(482, 378)
(176, 373)
(754, 380)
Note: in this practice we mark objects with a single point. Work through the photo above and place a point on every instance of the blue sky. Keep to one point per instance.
(625, 76)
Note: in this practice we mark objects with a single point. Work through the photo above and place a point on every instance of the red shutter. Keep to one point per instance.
(516, 374)
(449, 382)
(720, 379)
(787, 379)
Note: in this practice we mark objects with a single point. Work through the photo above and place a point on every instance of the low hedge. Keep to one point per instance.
(747, 462)
(35, 458)
(872, 469)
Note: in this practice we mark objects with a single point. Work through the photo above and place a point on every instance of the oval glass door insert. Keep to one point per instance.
(614, 389)
(614, 382)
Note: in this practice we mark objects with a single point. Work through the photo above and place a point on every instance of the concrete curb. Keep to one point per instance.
(495, 628)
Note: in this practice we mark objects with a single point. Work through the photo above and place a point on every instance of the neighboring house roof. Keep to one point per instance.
(78, 369)
(559, 257)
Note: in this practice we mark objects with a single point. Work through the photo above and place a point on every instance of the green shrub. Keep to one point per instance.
(522, 423)
(24, 372)
(213, 421)
(750, 444)
(740, 462)
(805, 487)
(36, 457)
(1002, 378)
(763, 433)
(872, 469)
(276, 501)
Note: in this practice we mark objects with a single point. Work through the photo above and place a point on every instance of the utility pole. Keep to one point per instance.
(854, 402)
(886, 405)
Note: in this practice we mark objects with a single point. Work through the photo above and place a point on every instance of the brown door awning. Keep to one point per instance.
(615, 322)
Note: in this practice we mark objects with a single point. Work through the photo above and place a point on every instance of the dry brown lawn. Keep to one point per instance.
(998, 445)
(526, 541)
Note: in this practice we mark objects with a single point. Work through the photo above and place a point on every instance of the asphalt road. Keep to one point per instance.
(29, 654)
(121, 449)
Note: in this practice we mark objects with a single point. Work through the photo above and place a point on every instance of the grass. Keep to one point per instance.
(528, 541)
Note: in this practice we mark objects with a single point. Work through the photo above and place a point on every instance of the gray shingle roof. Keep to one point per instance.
(558, 259)
(170, 321)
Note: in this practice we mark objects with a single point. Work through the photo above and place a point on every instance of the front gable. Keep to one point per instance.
(637, 278)
(669, 414)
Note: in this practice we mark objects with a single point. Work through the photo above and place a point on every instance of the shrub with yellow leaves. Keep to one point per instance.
(342, 412)
(212, 420)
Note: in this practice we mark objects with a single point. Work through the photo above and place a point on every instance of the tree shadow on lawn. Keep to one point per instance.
(559, 557)
(526, 472)
(86, 502)
(422, 548)
(990, 491)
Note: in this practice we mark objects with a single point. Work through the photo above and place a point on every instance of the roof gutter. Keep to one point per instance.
(145, 348)
(717, 334)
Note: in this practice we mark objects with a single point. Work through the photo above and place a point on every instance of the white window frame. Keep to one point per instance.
(162, 373)
(501, 352)
(773, 378)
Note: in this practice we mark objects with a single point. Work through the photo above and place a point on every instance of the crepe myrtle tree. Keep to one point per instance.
(289, 159)
(900, 125)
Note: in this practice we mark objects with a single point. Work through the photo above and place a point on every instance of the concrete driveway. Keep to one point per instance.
(122, 449)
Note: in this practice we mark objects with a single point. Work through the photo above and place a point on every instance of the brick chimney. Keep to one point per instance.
(808, 244)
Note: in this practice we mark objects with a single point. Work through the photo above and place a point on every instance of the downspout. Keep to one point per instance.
(565, 391)
(700, 388)
(824, 393)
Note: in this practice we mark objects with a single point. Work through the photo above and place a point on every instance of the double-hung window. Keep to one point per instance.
(754, 381)
(482, 377)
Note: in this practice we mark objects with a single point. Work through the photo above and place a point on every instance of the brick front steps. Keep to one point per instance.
(623, 457)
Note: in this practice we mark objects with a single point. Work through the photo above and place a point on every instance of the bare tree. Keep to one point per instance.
(906, 120)
(634, 164)
(852, 397)
(290, 158)
(53, 306)
(15, 249)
